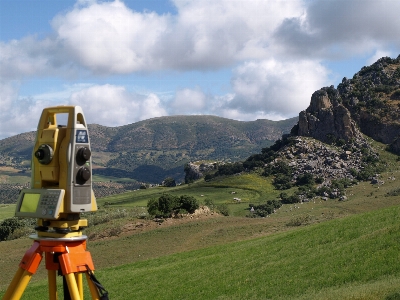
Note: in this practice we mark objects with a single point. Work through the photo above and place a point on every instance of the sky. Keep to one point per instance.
(127, 61)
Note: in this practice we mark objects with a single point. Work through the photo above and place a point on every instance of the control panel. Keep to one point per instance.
(39, 203)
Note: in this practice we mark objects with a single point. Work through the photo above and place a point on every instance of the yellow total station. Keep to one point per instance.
(61, 182)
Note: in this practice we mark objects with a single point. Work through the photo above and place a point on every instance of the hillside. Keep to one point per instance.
(373, 98)
(151, 150)
(340, 250)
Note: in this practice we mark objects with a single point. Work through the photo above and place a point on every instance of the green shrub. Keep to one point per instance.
(11, 225)
(188, 203)
(266, 209)
(300, 220)
(223, 209)
(305, 179)
(210, 204)
(167, 205)
(394, 192)
(282, 182)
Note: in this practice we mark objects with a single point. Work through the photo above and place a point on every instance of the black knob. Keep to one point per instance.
(83, 175)
(44, 154)
(83, 155)
(39, 154)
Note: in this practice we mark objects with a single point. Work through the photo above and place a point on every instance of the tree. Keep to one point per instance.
(169, 182)
(188, 203)
(152, 207)
(282, 182)
(305, 179)
(167, 204)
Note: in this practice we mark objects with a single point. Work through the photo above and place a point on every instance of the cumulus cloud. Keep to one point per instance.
(108, 37)
(112, 105)
(268, 87)
(340, 29)
(189, 101)
(17, 115)
(276, 51)
(108, 105)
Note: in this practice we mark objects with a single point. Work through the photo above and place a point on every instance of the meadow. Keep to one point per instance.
(316, 250)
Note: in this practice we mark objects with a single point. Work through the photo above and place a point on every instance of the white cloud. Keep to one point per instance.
(276, 88)
(276, 50)
(112, 105)
(341, 29)
(17, 115)
(188, 101)
(108, 37)
(377, 55)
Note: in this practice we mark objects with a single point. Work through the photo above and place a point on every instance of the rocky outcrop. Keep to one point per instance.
(372, 97)
(307, 155)
(326, 119)
(367, 103)
(196, 170)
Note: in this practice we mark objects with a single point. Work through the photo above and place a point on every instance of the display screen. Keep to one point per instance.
(29, 203)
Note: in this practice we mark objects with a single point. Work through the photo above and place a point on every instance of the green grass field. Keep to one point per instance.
(6, 211)
(348, 258)
(315, 250)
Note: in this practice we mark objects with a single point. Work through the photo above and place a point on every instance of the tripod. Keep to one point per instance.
(66, 255)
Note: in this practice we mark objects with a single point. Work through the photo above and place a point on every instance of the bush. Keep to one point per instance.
(266, 209)
(223, 209)
(282, 182)
(210, 204)
(11, 225)
(230, 169)
(167, 205)
(300, 220)
(305, 179)
(169, 182)
(188, 203)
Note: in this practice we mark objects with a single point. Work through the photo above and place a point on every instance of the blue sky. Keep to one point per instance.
(126, 61)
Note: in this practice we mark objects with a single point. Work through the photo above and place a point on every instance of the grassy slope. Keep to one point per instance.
(347, 258)
(349, 250)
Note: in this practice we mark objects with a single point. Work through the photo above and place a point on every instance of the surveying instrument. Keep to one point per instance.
(61, 189)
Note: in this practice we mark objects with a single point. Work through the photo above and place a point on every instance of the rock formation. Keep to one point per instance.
(195, 170)
(326, 119)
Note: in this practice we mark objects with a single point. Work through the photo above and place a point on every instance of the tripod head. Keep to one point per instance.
(61, 180)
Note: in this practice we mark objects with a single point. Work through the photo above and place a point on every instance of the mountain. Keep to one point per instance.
(151, 150)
